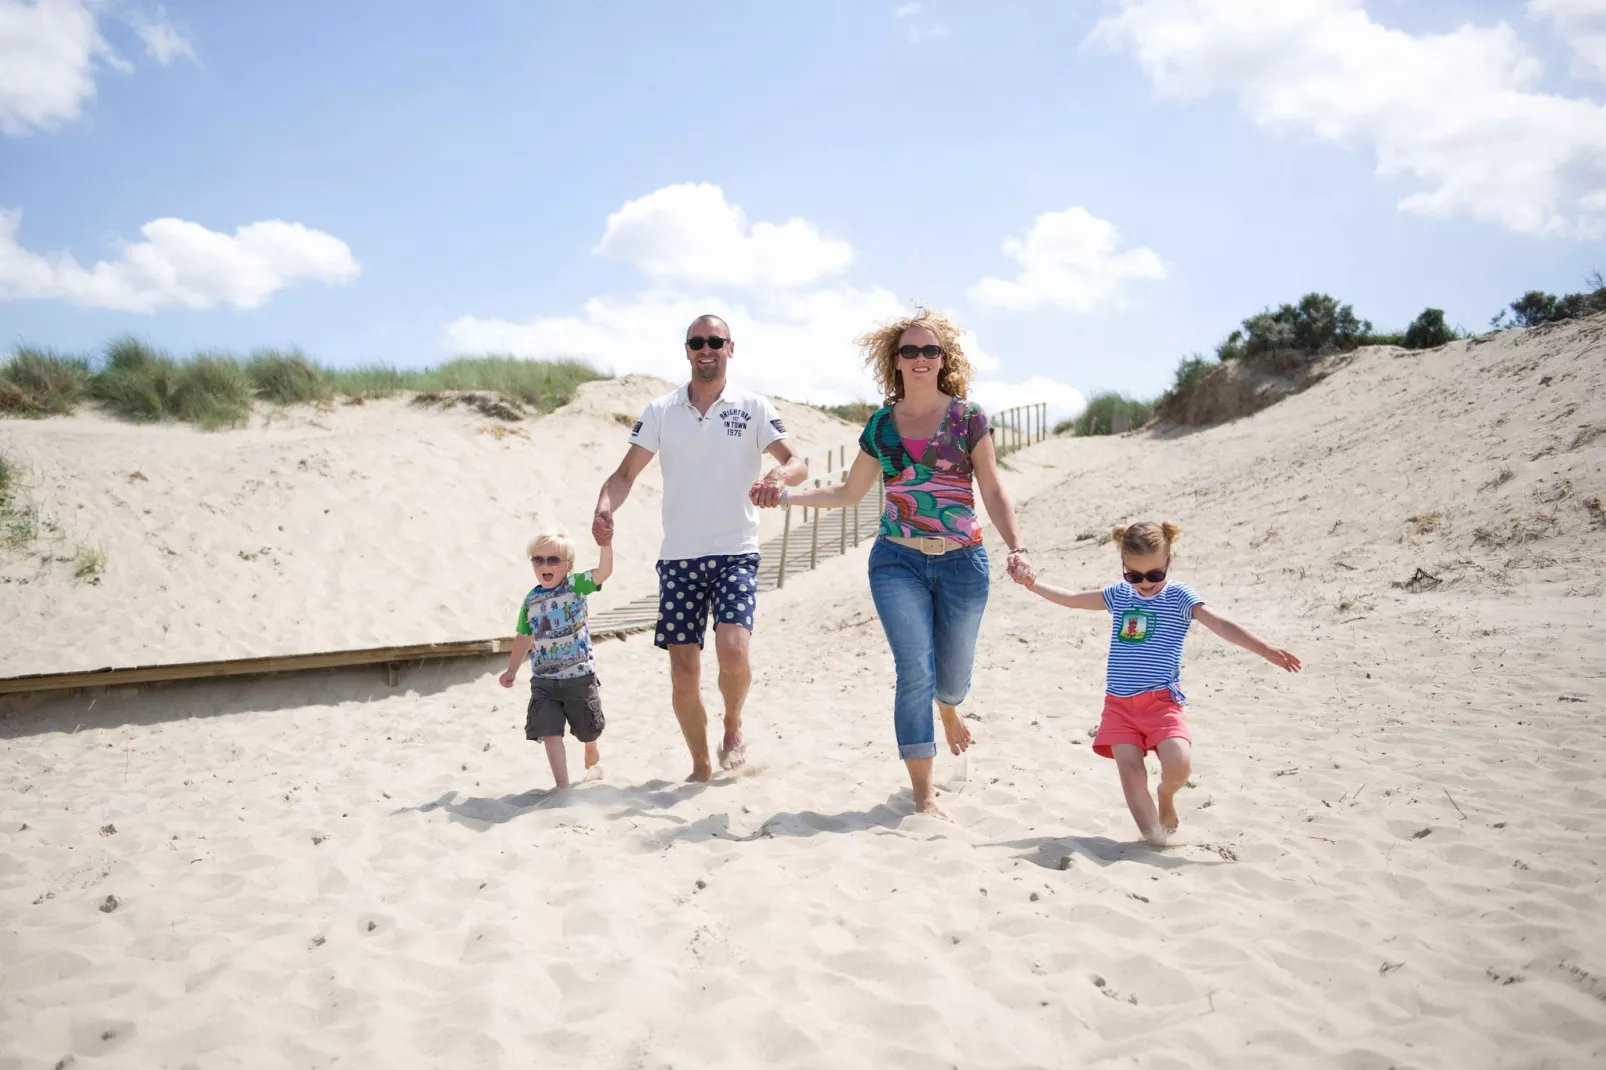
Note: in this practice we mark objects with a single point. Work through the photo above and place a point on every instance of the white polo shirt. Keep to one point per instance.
(710, 463)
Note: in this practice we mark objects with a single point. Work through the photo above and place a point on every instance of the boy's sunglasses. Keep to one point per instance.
(697, 341)
(911, 352)
(549, 562)
(1154, 575)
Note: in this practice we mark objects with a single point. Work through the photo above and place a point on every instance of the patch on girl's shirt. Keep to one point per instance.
(1136, 626)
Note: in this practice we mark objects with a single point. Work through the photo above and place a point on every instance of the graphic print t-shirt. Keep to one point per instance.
(932, 493)
(1146, 637)
(555, 618)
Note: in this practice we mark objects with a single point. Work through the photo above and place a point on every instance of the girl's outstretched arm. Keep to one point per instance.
(1070, 599)
(1238, 635)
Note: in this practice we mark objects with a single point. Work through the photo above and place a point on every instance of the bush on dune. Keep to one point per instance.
(137, 382)
(1537, 308)
(41, 382)
(287, 377)
(1110, 413)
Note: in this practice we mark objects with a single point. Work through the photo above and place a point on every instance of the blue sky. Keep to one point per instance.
(426, 179)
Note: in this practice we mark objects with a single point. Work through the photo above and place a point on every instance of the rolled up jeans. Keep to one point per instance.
(930, 607)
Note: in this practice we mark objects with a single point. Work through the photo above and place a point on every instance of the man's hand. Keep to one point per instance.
(766, 493)
(602, 526)
(507, 678)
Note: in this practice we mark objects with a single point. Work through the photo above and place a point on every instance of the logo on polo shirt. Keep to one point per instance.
(735, 421)
(634, 431)
(780, 428)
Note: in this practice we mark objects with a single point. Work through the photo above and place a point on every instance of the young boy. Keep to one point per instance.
(552, 631)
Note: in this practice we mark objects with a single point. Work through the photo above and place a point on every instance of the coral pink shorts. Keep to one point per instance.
(1144, 720)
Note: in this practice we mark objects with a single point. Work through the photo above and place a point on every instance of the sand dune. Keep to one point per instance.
(1394, 859)
(317, 528)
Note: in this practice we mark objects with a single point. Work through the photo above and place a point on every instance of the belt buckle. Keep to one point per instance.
(926, 543)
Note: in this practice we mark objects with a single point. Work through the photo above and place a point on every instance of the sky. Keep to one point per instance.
(1091, 189)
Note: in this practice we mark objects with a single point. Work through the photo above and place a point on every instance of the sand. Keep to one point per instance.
(1392, 859)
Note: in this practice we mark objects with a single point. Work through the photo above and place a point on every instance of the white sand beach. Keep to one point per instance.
(1394, 859)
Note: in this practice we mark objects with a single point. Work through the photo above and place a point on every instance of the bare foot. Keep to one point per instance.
(954, 727)
(593, 754)
(930, 808)
(732, 751)
(1155, 837)
(700, 774)
(1168, 809)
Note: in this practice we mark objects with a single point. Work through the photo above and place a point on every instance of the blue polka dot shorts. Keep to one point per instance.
(689, 588)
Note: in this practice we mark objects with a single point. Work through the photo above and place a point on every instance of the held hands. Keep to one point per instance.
(601, 530)
(768, 492)
(508, 677)
(1283, 659)
(1021, 570)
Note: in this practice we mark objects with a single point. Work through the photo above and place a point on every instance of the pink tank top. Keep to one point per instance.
(916, 447)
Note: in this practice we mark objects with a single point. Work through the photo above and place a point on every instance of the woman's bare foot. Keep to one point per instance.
(1155, 837)
(955, 729)
(929, 807)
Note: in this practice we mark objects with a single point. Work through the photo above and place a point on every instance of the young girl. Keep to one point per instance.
(1142, 703)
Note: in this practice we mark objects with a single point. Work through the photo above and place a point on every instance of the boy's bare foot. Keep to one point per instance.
(732, 751)
(954, 727)
(593, 754)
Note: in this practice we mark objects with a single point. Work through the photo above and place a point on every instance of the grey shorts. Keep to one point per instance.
(576, 701)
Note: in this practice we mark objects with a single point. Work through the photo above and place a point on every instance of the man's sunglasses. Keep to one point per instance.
(911, 352)
(549, 562)
(697, 341)
(1154, 575)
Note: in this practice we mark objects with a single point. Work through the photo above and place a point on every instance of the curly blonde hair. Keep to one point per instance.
(880, 348)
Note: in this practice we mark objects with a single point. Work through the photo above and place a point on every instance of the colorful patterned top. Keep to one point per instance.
(929, 495)
(555, 618)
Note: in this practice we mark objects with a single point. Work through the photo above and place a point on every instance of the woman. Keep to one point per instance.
(928, 567)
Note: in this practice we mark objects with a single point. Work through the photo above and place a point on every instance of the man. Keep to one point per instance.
(710, 437)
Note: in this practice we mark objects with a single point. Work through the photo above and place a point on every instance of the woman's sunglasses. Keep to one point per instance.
(697, 341)
(549, 562)
(911, 352)
(1154, 575)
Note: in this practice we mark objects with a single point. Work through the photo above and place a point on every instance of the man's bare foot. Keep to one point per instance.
(954, 727)
(732, 751)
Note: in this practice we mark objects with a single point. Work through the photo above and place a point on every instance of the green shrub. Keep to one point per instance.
(542, 385)
(1110, 413)
(287, 377)
(41, 382)
(212, 392)
(137, 382)
(1318, 323)
(1428, 331)
(854, 412)
(1537, 307)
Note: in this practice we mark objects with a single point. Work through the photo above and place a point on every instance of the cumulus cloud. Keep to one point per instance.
(690, 234)
(906, 11)
(51, 50)
(1062, 400)
(179, 264)
(794, 336)
(1582, 24)
(1071, 260)
(1455, 111)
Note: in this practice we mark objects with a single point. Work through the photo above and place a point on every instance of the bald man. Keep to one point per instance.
(710, 436)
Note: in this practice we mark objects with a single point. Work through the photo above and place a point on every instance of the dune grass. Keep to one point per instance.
(138, 382)
(1110, 413)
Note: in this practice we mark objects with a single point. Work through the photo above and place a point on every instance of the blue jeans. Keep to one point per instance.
(930, 608)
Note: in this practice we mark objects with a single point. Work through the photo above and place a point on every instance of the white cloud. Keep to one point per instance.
(690, 234)
(48, 52)
(164, 42)
(792, 341)
(1063, 401)
(1071, 260)
(1582, 24)
(178, 264)
(1456, 111)
(907, 10)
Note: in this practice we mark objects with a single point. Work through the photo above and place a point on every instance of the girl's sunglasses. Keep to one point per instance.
(911, 352)
(1154, 575)
(697, 341)
(549, 562)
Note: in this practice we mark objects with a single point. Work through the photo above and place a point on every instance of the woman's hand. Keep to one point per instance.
(1021, 570)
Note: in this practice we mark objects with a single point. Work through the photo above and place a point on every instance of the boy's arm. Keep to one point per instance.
(521, 650)
(1238, 635)
(1070, 599)
(604, 569)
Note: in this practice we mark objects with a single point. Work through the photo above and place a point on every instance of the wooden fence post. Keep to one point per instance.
(814, 536)
(842, 529)
(786, 537)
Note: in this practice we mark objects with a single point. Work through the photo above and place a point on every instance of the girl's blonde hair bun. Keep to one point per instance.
(1147, 536)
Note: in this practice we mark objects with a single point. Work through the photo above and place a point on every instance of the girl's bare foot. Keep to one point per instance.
(1168, 810)
(955, 729)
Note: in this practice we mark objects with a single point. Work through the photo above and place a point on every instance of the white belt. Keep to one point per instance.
(930, 545)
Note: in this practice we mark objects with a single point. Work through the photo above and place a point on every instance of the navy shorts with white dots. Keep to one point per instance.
(689, 588)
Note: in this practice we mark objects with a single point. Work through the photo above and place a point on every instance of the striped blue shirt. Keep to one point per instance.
(1146, 637)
